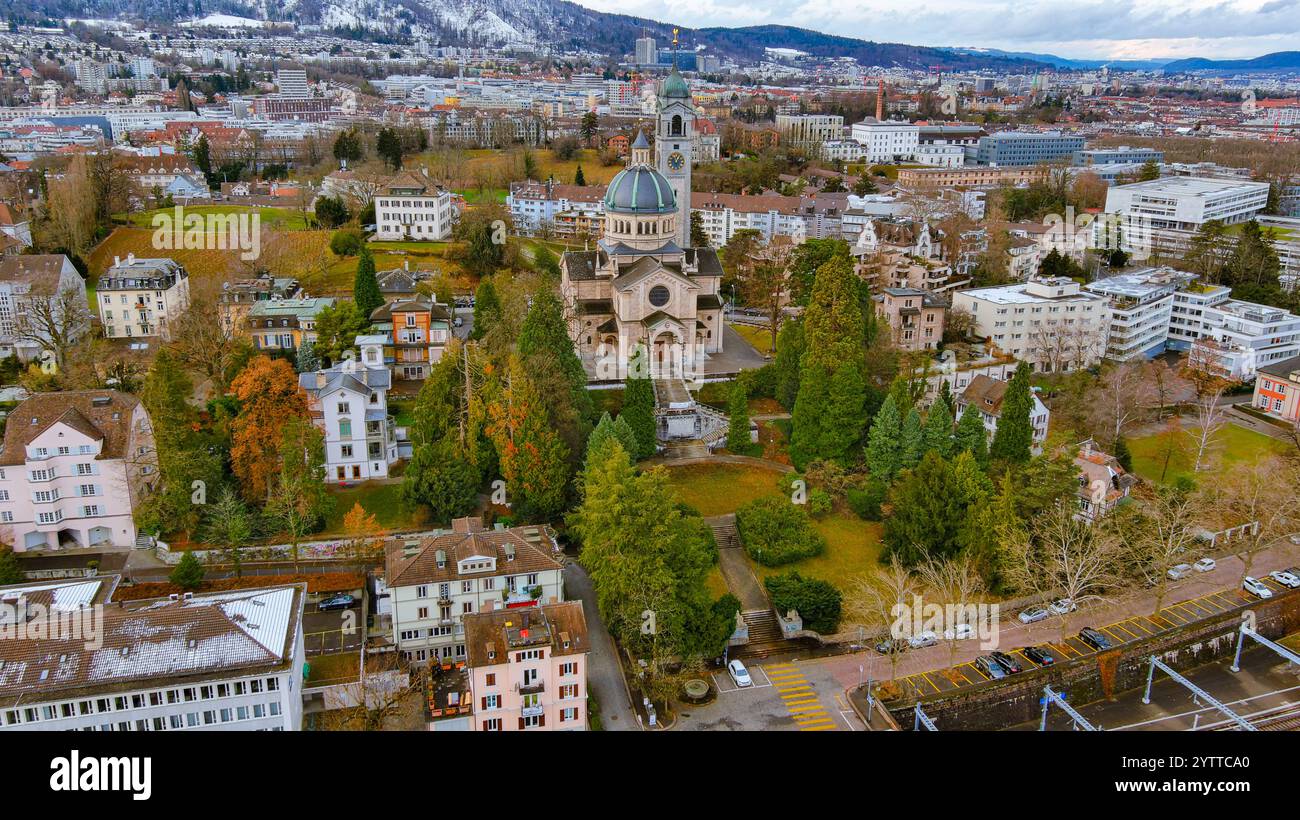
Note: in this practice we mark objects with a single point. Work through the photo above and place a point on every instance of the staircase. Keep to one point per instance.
(764, 635)
(689, 448)
(724, 533)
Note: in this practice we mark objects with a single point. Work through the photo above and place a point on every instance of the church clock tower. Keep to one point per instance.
(675, 144)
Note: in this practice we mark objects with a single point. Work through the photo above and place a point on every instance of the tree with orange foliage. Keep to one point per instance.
(269, 395)
(533, 459)
(365, 536)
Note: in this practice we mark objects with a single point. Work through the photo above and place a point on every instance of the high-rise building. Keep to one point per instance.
(645, 51)
(292, 83)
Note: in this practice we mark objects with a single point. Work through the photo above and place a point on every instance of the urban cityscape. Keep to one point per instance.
(522, 366)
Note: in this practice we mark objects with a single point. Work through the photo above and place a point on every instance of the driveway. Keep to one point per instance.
(604, 676)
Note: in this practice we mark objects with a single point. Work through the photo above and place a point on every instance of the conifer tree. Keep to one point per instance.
(884, 443)
(639, 406)
(1014, 438)
(365, 286)
(487, 308)
(971, 436)
(913, 440)
(738, 410)
(938, 428)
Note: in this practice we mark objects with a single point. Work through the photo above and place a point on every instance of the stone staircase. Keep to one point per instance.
(764, 635)
(724, 533)
(684, 448)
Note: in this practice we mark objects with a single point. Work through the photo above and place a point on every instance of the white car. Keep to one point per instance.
(1285, 578)
(1063, 607)
(1256, 588)
(923, 640)
(960, 632)
(1204, 565)
(739, 674)
(1180, 571)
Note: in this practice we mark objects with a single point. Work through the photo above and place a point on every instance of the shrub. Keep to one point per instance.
(188, 574)
(775, 532)
(346, 242)
(818, 602)
(866, 502)
(819, 502)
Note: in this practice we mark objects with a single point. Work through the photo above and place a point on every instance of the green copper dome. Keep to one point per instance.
(675, 87)
(640, 190)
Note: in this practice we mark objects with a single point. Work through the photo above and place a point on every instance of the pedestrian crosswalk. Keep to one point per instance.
(799, 697)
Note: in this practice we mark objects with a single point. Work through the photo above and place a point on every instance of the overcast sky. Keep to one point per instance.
(1134, 29)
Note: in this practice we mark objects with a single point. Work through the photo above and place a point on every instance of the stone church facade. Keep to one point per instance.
(643, 285)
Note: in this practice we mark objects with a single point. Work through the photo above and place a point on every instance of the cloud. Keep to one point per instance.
(1082, 28)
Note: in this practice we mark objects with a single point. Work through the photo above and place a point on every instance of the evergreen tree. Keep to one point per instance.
(738, 411)
(829, 412)
(11, 571)
(884, 443)
(487, 308)
(1014, 437)
(365, 286)
(608, 432)
(441, 477)
(789, 352)
(188, 574)
(533, 458)
(388, 146)
(307, 360)
(971, 436)
(929, 517)
(203, 157)
(913, 440)
(639, 406)
(578, 178)
(1121, 453)
(938, 428)
(945, 396)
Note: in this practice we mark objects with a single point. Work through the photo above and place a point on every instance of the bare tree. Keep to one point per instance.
(875, 599)
(955, 583)
(53, 319)
(1156, 536)
(203, 342)
(1210, 419)
(1258, 497)
(1123, 391)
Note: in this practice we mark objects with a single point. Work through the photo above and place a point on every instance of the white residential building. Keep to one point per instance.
(809, 131)
(940, 155)
(1187, 320)
(1242, 337)
(73, 467)
(200, 662)
(36, 291)
(535, 205)
(843, 151)
(888, 140)
(985, 394)
(410, 207)
(349, 402)
(141, 297)
(1052, 323)
(435, 582)
(1141, 305)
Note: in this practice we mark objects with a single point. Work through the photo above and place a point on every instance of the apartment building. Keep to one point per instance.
(535, 207)
(915, 317)
(73, 467)
(986, 395)
(285, 324)
(349, 402)
(887, 140)
(217, 661)
(796, 217)
(410, 207)
(415, 333)
(1241, 337)
(1050, 322)
(140, 297)
(1141, 305)
(970, 176)
(528, 668)
(1277, 390)
(809, 131)
(36, 290)
(435, 583)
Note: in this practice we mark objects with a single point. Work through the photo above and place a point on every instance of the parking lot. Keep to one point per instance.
(338, 630)
(925, 684)
(783, 697)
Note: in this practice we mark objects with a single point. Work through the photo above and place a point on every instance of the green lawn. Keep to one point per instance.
(760, 338)
(1233, 444)
(718, 489)
(852, 549)
(344, 667)
(380, 500)
(607, 401)
(473, 196)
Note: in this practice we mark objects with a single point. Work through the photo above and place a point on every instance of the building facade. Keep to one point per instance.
(1277, 390)
(411, 208)
(349, 403)
(1052, 323)
(36, 293)
(141, 297)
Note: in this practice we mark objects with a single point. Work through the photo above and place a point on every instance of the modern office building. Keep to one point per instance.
(809, 131)
(1187, 203)
(1025, 148)
(1120, 155)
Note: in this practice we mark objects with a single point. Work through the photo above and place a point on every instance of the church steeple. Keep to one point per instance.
(675, 143)
(640, 154)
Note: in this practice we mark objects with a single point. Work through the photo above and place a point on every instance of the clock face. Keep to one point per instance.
(676, 161)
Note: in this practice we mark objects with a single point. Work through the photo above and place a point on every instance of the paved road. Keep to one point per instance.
(604, 676)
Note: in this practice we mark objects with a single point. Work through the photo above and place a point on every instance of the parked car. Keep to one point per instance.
(1295, 539)
(1064, 606)
(1038, 655)
(1179, 571)
(923, 640)
(1094, 638)
(1034, 613)
(342, 601)
(1205, 565)
(1285, 577)
(990, 667)
(1294, 571)
(739, 674)
(1256, 588)
(889, 646)
(960, 632)
(1008, 663)
(458, 322)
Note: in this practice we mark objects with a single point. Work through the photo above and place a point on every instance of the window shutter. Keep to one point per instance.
(484, 707)
(541, 719)
(521, 724)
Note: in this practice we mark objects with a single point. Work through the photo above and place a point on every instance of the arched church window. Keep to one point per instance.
(676, 129)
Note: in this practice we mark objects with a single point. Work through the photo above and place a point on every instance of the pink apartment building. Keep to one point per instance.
(528, 668)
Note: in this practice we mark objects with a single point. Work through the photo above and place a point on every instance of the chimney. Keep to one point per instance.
(406, 263)
(880, 100)
(130, 258)
(117, 260)
(321, 378)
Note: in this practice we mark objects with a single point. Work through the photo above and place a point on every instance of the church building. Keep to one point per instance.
(642, 284)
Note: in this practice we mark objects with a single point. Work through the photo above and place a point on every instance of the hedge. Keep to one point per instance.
(774, 532)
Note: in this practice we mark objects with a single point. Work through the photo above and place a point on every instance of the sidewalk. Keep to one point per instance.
(604, 675)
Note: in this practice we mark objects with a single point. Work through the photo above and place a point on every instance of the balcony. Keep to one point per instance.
(535, 688)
